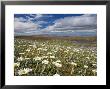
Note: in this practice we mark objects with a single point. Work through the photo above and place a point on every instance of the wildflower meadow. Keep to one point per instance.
(55, 57)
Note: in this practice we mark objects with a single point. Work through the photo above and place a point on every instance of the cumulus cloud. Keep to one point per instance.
(36, 24)
(83, 22)
(24, 25)
(37, 16)
(20, 19)
(34, 16)
(42, 22)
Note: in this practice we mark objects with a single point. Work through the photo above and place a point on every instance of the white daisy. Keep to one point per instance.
(24, 71)
(85, 66)
(52, 56)
(20, 59)
(56, 74)
(57, 64)
(17, 64)
(37, 58)
(73, 63)
(45, 62)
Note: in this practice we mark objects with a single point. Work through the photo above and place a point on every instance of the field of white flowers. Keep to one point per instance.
(54, 58)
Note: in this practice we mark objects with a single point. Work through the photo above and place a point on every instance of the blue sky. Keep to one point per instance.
(55, 24)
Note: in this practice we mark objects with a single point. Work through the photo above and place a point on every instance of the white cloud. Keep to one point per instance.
(37, 16)
(27, 25)
(33, 17)
(24, 25)
(20, 19)
(42, 22)
(84, 22)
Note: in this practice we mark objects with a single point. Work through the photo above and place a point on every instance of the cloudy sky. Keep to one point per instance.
(55, 24)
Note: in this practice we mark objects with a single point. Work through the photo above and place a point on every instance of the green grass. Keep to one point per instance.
(41, 56)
